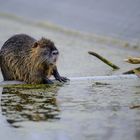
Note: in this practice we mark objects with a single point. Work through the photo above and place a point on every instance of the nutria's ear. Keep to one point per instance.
(35, 45)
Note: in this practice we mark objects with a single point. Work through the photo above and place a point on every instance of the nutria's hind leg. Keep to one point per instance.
(6, 74)
(47, 81)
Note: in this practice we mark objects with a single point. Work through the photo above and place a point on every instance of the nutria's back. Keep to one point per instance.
(26, 59)
(19, 42)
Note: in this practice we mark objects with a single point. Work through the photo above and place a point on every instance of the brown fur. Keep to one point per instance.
(23, 58)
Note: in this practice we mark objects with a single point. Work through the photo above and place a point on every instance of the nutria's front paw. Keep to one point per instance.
(62, 79)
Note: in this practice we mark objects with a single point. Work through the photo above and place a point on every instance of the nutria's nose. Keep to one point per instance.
(55, 52)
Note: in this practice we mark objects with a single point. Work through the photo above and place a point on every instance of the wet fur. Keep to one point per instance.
(20, 60)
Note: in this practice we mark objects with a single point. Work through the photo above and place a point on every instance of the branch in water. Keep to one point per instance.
(133, 60)
(104, 60)
(135, 71)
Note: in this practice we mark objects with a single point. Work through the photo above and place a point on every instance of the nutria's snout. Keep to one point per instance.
(54, 57)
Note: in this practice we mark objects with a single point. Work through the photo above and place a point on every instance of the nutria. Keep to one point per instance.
(25, 59)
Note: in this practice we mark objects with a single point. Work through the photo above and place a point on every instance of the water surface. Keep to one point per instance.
(84, 110)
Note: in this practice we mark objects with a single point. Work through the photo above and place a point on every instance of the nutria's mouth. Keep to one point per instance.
(55, 60)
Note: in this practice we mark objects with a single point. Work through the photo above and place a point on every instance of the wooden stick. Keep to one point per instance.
(132, 71)
(104, 60)
(133, 60)
(129, 72)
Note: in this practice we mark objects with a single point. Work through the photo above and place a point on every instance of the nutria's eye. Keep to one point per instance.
(55, 52)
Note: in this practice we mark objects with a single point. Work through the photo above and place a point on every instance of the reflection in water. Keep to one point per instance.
(29, 104)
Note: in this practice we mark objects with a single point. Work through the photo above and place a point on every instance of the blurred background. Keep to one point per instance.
(116, 18)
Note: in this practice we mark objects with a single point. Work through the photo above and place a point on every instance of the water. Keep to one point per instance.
(80, 109)
(83, 110)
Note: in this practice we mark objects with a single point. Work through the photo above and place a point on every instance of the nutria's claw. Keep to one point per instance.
(62, 79)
